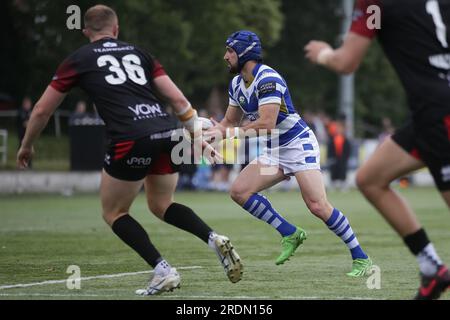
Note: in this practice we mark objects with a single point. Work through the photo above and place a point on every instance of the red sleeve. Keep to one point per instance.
(158, 69)
(65, 77)
(361, 17)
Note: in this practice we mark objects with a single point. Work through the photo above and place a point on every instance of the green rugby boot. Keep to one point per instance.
(289, 244)
(360, 267)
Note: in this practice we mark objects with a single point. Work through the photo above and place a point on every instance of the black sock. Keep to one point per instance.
(184, 218)
(417, 241)
(132, 233)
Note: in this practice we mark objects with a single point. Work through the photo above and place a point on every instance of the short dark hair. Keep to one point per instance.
(99, 17)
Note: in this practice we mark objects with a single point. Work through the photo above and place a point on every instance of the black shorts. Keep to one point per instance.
(429, 141)
(133, 160)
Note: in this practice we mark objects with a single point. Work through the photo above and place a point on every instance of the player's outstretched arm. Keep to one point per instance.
(171, 93)
(268, 114)
(183, 109)
(232, 118)
(344, 60)
(42, 112)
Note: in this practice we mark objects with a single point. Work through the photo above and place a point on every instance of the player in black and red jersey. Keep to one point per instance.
(125, 84)
(415, 36)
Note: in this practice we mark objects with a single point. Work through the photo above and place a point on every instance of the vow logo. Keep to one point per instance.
(145, 110)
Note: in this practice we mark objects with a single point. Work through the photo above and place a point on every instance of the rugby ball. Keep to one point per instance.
(206, 123)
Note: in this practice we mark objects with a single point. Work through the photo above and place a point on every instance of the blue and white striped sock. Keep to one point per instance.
(260, 207)
(338, 223)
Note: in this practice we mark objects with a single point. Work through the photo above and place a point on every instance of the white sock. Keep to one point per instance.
(162, 268)
(429, 260)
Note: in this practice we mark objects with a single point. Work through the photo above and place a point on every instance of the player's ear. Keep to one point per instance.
(116, 31)
(86, 33)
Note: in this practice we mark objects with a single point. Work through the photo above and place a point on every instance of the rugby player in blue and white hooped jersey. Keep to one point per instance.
(262, 95)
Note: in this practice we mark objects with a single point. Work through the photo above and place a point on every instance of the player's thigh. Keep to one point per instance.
(256, 177)
(159, 190)
(389, 162)
(446, 196)
(117, 195)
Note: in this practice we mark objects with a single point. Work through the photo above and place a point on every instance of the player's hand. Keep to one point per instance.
(216, 133)
(24, 156)
(202, 148)
(211, 154)
(313, 48)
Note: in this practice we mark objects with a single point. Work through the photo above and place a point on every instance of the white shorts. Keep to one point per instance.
(300, 154)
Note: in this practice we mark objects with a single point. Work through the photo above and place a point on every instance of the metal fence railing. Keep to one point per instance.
(56, 118)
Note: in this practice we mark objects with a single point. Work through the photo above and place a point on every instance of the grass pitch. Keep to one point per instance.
(42, 235)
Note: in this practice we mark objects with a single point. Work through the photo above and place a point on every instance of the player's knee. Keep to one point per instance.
(239, 194)
(367, 182)
(111, 216)
(362, 180)
(158, 208)
(320, 208)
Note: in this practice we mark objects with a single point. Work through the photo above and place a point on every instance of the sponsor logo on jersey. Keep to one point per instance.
(113, 49)
(147, 111)
(110, 44)
(139, 161)
(268, 87)
(242, 100)
(108, 159)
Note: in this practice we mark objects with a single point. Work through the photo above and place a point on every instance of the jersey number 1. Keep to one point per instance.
(131, 64)
(441, 30)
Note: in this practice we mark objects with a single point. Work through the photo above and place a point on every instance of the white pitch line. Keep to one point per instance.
(168, 296)
(269, 297)
(103, 276)
(52, 295)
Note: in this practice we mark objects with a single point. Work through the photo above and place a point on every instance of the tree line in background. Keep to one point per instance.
(188, 37)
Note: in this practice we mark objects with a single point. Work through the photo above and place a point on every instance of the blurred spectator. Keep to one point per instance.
(331, 126)
(23, 116)
(187, 173)
(79, 113)
(317, 122)
(308, 117)
(221, 172)
(80, 116)
(319, 127)
(339, 150)
(202, 177)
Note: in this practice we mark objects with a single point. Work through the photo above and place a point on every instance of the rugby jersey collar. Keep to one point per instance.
(254, 73)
